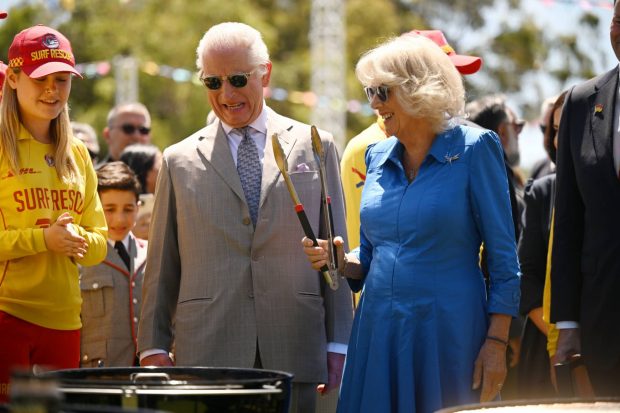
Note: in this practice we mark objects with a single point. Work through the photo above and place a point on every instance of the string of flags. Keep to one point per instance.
(584, 4)
(92, 70)
(308, 98)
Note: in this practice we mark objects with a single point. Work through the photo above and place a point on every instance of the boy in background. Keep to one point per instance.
(111, 291)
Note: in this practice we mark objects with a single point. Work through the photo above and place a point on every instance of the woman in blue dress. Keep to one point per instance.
(426, 334)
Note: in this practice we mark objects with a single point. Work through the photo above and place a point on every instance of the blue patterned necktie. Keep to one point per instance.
(250, 171)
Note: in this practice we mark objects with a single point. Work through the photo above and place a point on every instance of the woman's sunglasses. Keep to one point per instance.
(237, 80)
(380, 91)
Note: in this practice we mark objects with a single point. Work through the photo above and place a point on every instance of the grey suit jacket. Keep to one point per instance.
(215, 285)
(111, 298)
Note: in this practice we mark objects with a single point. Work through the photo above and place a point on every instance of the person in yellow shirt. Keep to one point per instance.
(51, 217)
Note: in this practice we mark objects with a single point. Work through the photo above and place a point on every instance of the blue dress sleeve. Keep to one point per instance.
(491, 207)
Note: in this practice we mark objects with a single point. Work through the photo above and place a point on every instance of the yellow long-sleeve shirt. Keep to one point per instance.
(38, 285)
(353, 175)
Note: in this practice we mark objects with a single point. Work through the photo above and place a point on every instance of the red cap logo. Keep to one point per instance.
(40, 51)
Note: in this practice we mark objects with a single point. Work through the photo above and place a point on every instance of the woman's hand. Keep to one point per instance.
(318, 255)
(490, 369)
(62, 239)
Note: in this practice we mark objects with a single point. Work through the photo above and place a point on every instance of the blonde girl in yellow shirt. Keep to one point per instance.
(51, 219)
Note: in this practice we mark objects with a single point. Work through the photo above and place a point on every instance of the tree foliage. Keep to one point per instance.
(167, 32)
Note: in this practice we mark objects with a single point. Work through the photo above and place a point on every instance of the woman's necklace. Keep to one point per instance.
(411, 174)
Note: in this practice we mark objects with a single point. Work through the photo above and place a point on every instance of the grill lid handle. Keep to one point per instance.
(163, 377)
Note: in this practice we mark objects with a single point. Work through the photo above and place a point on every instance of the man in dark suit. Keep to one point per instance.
(585, 271)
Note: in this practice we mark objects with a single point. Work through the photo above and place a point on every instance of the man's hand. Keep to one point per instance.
(514, 344)
(569, 343)
(159, 360)
(319, 256)
(335, 363)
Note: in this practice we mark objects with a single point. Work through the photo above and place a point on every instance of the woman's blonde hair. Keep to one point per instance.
(60, 134)
(420, 76)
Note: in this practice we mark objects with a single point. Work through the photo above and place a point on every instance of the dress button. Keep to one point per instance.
(247, 221)
(95, 285)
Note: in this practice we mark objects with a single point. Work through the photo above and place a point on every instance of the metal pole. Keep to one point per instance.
(126, 78)
(327, 42)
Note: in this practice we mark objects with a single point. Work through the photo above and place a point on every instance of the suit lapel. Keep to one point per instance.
(275, 124)
(213, 145)
(601, 114)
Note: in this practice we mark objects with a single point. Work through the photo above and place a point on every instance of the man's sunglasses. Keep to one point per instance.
(518, 125)
(130, 129)
(380, 91)
(237, 80)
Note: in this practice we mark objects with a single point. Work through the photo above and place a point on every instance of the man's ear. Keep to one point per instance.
(106, 134)
(267, 75)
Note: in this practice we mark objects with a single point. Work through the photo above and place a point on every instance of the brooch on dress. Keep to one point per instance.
(449, 158)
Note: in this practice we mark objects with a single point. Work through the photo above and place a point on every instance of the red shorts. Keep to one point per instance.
(23, 345)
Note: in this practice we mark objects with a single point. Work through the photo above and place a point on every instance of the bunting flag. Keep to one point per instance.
(94, 70)
(584, 4)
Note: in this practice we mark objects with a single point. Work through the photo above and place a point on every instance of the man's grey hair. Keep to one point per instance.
(132, 107)
(231, 35)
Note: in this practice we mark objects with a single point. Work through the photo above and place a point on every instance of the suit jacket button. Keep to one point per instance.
(247, 221)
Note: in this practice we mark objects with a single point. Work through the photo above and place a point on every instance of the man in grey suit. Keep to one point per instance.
(226, 280)
(585, 268)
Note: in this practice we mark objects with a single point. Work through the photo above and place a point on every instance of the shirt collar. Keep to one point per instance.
(440, 149)
(259, 124)
(23, 133)
(125, 242)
